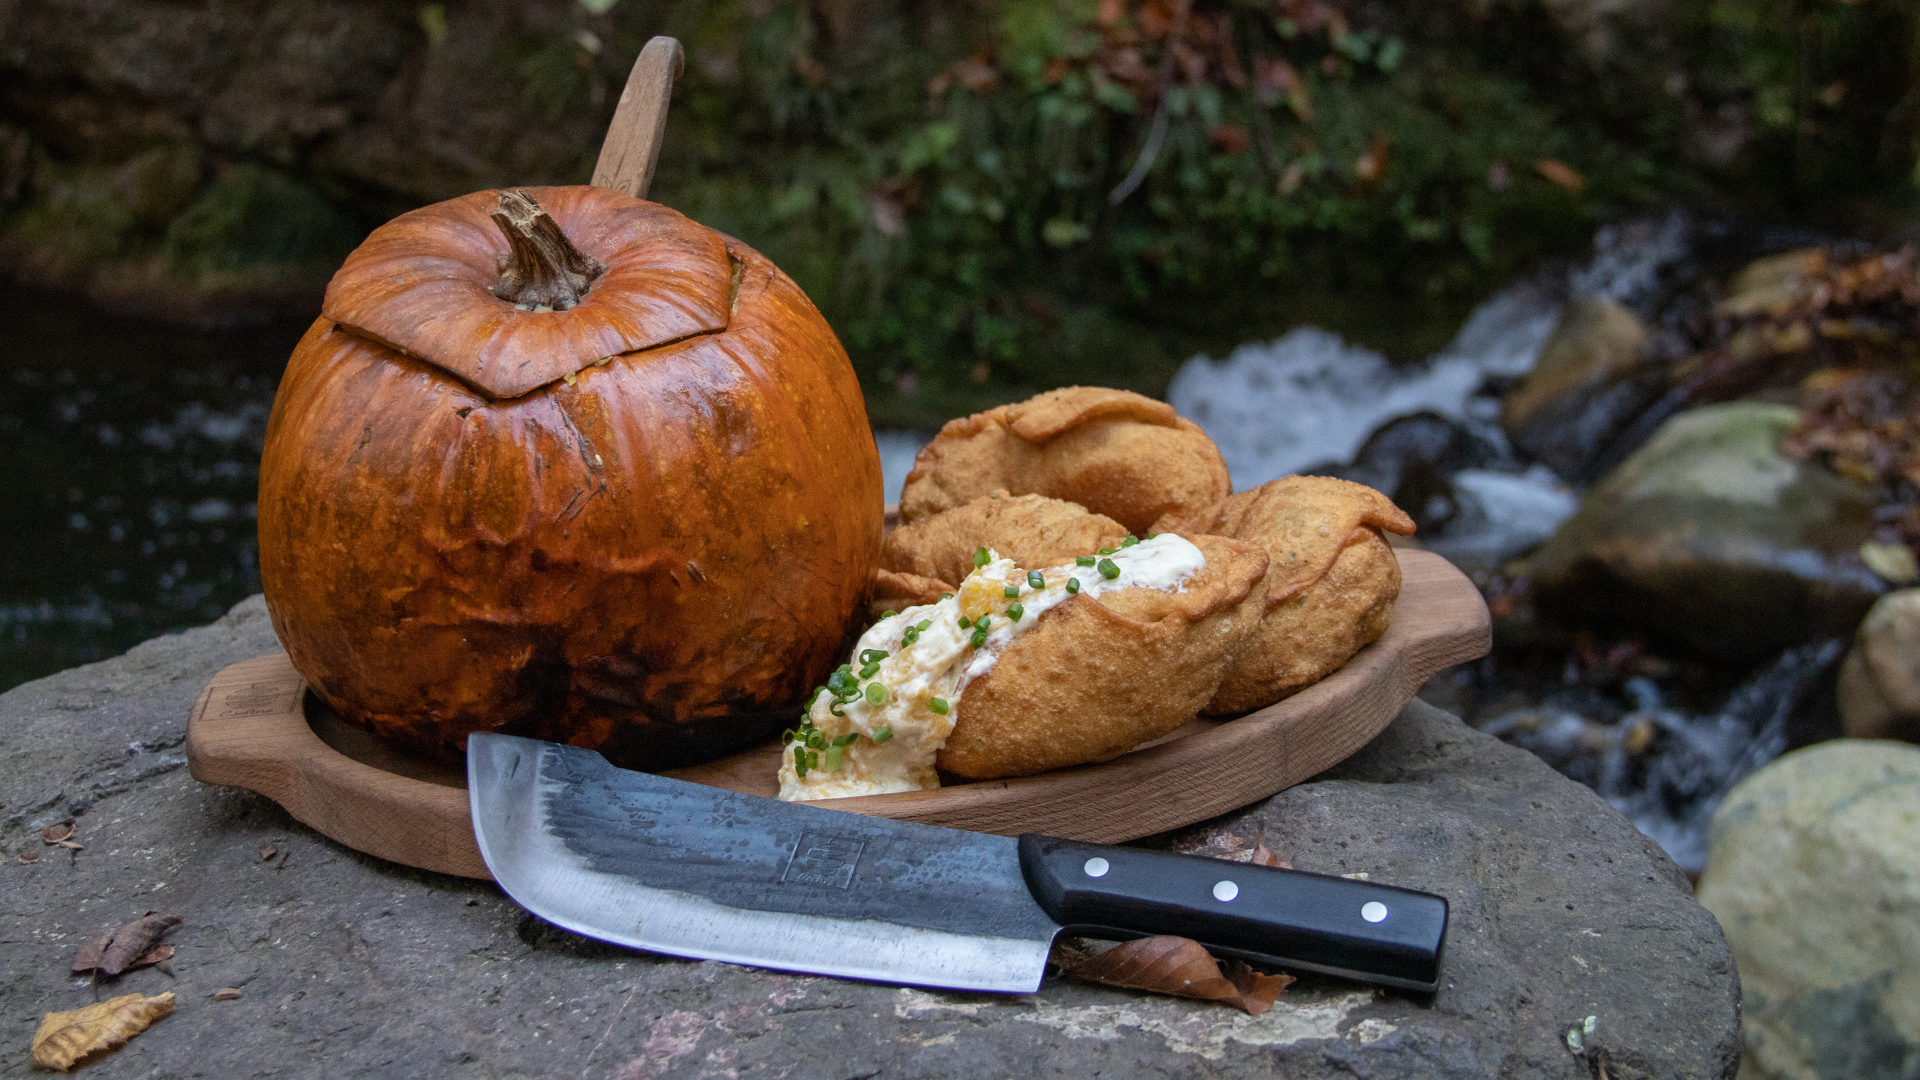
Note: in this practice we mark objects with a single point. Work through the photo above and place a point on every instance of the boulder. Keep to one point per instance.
(1710, 539)
(1814, 873)
(351, 967)
(1591, 380)
(1879, 692)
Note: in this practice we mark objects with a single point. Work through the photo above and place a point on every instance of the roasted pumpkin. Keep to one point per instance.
(564, 463)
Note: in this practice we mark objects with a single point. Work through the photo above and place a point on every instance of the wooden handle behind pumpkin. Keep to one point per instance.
(632, 146)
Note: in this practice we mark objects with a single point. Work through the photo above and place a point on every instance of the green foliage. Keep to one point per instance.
(252, 219)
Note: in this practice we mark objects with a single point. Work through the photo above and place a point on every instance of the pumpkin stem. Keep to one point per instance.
(542, 269)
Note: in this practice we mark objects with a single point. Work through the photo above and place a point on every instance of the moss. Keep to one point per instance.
(257, 220)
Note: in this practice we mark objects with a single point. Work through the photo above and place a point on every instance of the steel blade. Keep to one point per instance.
(682, 868)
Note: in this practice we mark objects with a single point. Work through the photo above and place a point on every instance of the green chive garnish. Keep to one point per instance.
(833, 758)
(964, 623)
(884, 733)
(1073, 585)
(870, 671)
(980, 556)
(924, 625)
(1010, 591)
(1108, 570)
(981, 622)
(888, 614)
(979, 638)
(800, 762)
(1129, 541)
(1036, 580)
(1084, 560)
(876, 694)
(936, 704)
(1014, 611)
(869, 656)
(816, 740)
(910, 636)
(847, 739)
(946, 596)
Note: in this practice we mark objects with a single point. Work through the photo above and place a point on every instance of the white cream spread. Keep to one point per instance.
(886, 722)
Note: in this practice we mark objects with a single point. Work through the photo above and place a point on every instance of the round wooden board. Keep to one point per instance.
(256, 727)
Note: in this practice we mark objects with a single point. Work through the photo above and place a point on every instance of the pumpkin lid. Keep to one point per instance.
(422, 283)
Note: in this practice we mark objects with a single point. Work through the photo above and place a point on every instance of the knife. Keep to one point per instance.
(681, 868)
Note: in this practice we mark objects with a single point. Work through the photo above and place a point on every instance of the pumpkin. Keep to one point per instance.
(563, 463)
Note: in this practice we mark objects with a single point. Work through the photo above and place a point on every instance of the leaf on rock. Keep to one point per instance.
(30, 857)
(126, 947)
(226, 993)
(266, 852)
(1181, 967)
(53, 834)
(1263, 856)
(71, 845)
(65, 1038)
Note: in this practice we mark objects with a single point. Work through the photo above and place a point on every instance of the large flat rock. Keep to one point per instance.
(352, 967)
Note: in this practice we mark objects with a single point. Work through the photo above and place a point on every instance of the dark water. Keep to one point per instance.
(129, 455)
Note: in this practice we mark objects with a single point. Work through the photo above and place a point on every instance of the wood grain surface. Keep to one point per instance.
(256, 727)
(632, 147)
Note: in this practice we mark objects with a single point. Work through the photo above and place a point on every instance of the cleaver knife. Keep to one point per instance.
(689, 870)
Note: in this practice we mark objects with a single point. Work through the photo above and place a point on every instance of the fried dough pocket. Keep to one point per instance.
(1331, 588)
(1116, 453)
(1032, 530)
(1095, 678)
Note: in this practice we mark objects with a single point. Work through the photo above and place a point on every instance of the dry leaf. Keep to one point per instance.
(226, 993)
(126, 947)
(65, 1038)
(53, 834)
(30, 857)
(71, 845)
(1262, 856)
(267, 852)
(158, 956)
(1182, 967)
(1560, 173)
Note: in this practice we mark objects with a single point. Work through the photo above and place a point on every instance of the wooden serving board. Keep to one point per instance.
(256, 727)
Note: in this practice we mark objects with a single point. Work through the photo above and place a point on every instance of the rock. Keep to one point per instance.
(1585, 388)
(1879, 692)
(1712, 540)
(1410, 460)
(351, 967)
(1815, 876)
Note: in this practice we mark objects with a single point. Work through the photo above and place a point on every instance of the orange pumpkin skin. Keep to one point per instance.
(654, 559)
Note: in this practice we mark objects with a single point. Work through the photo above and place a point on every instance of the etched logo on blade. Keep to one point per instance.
(824, 859)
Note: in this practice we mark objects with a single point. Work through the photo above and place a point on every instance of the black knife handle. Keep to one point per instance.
(1355, 929)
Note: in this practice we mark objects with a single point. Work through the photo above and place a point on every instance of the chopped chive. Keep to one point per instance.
(800, 762)
(1036, 580)
(946, 596)
(1129, 541)
(1014, 611)
(1107, 551)
(936, 704)
(870, 671)
(868, 656)
(924, 625)
(888, 614)
(847, 739)
(981, 623)
(1073, 585)
(980, 557)
(786, 737)
(844, 668)
(876, 694)
(883, 733)
(1084, 560)
(1010, 591)
(912, 635)
(964, 623)
(979, 638)
(833, 758)
(813, 759)
(816, 740)
(1108, 570)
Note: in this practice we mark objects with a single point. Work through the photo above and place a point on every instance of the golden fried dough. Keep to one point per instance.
(897, 592)
(1331, 588)
(1114, 452)
(1032, 530)
(1096, 677)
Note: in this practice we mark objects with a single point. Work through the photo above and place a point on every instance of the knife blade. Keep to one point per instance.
(681, 868)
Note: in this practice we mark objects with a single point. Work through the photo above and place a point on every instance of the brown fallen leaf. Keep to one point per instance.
(1560, 173)
(71, 845)
(1263, 856)
(29, 857)
(65, 1038)
(1181, 967)
(226, 993)
(53, 834)
(114, 953)
(267, 852)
